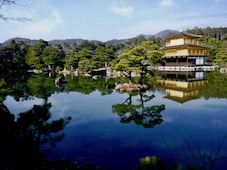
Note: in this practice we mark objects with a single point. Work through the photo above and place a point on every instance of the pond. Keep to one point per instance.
(181, 118)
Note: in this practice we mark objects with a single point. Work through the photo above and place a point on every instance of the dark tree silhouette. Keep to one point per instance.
(25, 142)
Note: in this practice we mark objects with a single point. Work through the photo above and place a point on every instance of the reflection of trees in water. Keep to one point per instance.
(27, 86)
(216, 87)
(25, 142)
(14, 85)
(87, 85)
(148, 116)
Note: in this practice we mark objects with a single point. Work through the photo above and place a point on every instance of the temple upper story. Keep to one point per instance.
(183, 44)
(182, 38)
(182, 52)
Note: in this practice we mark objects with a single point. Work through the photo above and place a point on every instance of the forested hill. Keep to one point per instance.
(71, 42)
(160, 34)
(219, 33)
(18, 40)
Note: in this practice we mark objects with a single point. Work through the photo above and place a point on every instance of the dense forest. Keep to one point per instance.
(132, 54)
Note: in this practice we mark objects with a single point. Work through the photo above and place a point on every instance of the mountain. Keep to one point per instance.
(18, 40)
(116, 41)
(71, 42)
(164, 33)
(160, 34)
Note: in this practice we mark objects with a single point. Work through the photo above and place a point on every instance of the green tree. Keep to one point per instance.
(103, 55)
(52, 56)
(12, 57)
(138, 59)
(71, 60)
(35, 53)
(216, 47)
(16, 55)
(87, 45)
(86, 65)
(221, 59)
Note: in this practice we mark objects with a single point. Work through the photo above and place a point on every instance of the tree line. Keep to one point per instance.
(219, 33)
(133, 55)
(43, 55)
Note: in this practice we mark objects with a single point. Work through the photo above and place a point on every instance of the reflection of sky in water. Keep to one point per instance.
(95, 134)
(21, 106)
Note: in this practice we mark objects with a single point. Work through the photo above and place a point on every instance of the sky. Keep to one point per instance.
(105, 20)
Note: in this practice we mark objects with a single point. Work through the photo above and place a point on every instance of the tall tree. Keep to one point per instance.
(52, 57)
(34, 55)
(138, 59)
(104, 55)
(16, 55)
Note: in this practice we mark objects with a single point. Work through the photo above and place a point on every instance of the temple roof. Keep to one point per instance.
(182, 34)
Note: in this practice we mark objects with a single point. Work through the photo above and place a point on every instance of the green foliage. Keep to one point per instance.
(87, 85)
(41, 86)
(86, 65)
(71, 60)
(34, 55)
(139, 58)
(52, 56)
(216, 86)
(151, 163)
(12, 57)
(43, 56)
(217, 33)
(221, 59)
(215, 44)
(155, 163)
(4, 90)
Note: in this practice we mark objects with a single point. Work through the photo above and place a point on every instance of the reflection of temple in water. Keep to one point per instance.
(182, 86)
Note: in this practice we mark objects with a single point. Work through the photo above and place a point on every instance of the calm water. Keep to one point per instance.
(177, 120)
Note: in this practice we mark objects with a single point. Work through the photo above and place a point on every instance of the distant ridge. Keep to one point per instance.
(165, 33)
(160, 34)
(77, 41)
(18, 39)
(70, 42)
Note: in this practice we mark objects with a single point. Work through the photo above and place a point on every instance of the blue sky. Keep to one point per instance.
(108, 19)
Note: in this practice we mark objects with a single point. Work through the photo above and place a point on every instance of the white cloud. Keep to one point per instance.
(40, 27)
(166, 3)
(123, 11)
(45, 26)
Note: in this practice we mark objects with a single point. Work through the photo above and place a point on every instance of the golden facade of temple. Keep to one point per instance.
(184, 44)
(183, 50)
